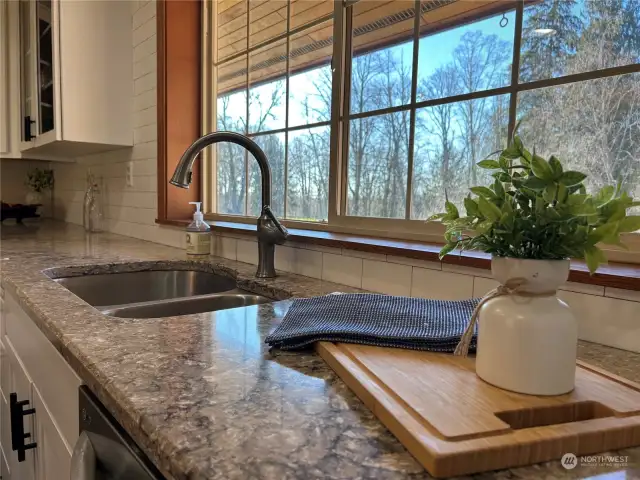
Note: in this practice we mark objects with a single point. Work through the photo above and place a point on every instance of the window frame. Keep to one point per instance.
(338, 221)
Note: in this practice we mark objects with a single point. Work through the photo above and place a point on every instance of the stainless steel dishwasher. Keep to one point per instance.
(104, 451)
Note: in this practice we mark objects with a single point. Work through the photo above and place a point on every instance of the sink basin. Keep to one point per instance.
(148, 286)
(159, 293)
(187, 306)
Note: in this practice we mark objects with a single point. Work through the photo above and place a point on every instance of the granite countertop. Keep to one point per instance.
(202, 394)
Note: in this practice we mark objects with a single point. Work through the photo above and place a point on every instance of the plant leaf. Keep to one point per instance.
(446, 249)
(549, 193)
(535, 183)
(452, 211)
(436, 216)
(571, 177)
(629, 224)
(471, 206)
(488, 164)
(603, 232)
(604, 195)
(541, 168)
(484, 192)
(594, 257)
(556, 167)
(488, 210)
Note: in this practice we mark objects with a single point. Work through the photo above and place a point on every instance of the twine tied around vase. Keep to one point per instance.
(511, 287)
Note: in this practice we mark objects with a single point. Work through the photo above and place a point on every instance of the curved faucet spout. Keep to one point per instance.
(270, 230)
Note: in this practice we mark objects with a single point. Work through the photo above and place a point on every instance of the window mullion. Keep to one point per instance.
(246, 122)
(346, 105)
(412, 114)
(515, 68)
(338, 64)
(286, 114)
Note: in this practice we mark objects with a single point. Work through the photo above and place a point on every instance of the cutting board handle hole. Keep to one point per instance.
(554, 414)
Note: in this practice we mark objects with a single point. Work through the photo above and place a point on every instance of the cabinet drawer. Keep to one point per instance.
(56, 381)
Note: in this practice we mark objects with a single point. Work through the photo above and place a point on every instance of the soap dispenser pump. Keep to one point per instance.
(198, 233)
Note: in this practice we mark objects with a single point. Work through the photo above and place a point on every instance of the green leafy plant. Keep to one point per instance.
(39, 180)
(538, 210)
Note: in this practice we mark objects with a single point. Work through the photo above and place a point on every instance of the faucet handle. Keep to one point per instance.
(269, 227)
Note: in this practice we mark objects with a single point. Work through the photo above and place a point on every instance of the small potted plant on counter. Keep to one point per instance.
(38, 181)
(532, 219)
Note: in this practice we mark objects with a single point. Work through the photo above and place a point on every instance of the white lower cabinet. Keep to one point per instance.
(18, 384)
(53, 458)
(34, 371)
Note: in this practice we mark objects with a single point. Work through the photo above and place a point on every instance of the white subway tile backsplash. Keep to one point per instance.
(631, 295)
(145, 83)
(384, 277)
(145, 100)
(247, 251)
(145, 48)
(145, 134)
(605, 320)
(340, 269)
(144, 31)
(427, 283)
(583, 288)
(369, 256)
(146, 150)
(146, 65)
(319, 248)
(143, 14)
(299, 261)
(223, 247)
(148, 116)
(475, 272)
(414, 262)
(482, 286)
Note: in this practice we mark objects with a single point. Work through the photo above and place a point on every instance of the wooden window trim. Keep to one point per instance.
(179, 37)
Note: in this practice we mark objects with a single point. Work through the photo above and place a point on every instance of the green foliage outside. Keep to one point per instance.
(536, 209)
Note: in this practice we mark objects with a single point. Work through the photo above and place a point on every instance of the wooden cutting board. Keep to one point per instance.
(454, 423)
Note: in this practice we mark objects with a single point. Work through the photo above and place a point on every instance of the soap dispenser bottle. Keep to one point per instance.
(198, 234)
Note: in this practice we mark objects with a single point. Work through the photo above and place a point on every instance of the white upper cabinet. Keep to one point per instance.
(70, 82)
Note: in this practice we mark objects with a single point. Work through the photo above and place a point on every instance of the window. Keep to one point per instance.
(372, 112)
(273, 83)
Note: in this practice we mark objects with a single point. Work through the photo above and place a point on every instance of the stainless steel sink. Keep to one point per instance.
(187, 306)
(159, 293)
(135, 287)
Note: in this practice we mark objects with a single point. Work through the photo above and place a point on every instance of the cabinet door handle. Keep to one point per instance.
(18, 434)
(28, 136)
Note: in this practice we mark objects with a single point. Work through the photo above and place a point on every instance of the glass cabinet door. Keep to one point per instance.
(27, 70)
(45, 74)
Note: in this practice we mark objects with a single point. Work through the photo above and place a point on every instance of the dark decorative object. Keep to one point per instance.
(18, 211)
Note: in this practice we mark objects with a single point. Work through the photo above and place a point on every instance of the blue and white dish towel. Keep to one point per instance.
(372, 319)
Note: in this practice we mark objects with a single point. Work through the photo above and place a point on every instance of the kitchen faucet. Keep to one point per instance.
(270, 230)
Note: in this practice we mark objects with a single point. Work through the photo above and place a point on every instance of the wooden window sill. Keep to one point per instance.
(615, 275)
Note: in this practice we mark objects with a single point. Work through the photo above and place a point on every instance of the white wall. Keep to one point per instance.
(128, 210)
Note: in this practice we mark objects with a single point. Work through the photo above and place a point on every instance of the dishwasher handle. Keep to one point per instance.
(83, 459)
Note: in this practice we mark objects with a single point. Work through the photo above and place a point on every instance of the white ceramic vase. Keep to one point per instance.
(527, 341)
